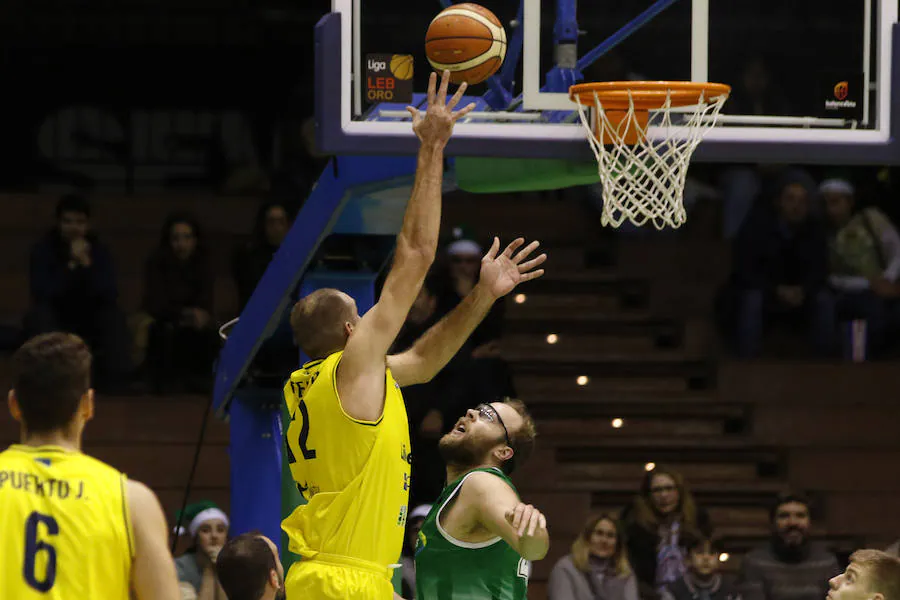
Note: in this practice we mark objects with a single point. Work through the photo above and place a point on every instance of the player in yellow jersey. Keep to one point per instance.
(348, 440)
(71, 526)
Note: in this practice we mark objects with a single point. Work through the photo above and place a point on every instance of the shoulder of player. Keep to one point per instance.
(483, 484)
(142, 501)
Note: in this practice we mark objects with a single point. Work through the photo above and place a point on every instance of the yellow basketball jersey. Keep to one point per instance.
(66, 531)
(355, 474)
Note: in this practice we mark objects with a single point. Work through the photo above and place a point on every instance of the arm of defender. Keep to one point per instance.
(153, 569)
(499, 510)
(499, 276)
(364, 355)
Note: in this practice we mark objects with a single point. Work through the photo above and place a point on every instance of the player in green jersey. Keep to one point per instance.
(479, 538)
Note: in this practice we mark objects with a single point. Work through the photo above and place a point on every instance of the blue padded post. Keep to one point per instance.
(255, 452)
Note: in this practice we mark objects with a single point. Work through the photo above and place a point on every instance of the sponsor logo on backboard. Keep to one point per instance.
(843, 96)
(389, 78)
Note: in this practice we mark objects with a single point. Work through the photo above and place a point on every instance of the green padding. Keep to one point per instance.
(495, 175)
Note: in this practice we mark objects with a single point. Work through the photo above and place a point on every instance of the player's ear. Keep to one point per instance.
(348, 328)
(503, 454)
(13, 403)
(274, 580)
(87, 405)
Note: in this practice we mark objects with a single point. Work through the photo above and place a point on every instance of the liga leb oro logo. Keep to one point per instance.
(841, 90)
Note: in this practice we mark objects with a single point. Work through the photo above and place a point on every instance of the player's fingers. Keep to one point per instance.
(463, 111)
(524, 252)
(517, 519)
(526, 519)
(457, 96)
(533, 523)
(413, 111)
(492, 252)
(543, 522)
(532, 275)
(527, 266)
(513, 246)
(442, 91)
(432, 86)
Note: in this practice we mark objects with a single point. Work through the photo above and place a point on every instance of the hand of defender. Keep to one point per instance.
(528, 521)
(501, 274)
(435, 125)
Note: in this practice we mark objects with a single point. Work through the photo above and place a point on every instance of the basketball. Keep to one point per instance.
(468, 40)
(402, 66)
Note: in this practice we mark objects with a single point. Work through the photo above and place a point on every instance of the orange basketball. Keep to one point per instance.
(468, 40)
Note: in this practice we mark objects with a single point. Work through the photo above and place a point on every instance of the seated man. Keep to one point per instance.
(780, 272)
(73, 289)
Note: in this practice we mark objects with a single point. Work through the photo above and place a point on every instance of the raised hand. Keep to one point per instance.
(435, 124)
(501, 274)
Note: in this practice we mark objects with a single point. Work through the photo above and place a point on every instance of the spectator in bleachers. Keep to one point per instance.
(457, 279)
(780, 271)
(597, 567)
(73, 288)
(273, 220)
(864, 260)
(702, 580)
(408, 554)
(278, 354)
(208, 526)
(658, 524)
(789, 566)
(249, 568)
(178, 296)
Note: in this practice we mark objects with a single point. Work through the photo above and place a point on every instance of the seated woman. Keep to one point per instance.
(864, 260)
(207, 525)
(597, 568)
(659, 523)
(178, 296)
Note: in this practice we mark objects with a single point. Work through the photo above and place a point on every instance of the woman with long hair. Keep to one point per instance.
(178, 296)
(598, 567)
(658, 523)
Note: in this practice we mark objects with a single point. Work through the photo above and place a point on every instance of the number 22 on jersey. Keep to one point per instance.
(308, 453)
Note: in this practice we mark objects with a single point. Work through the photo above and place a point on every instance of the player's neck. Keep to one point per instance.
(60, 438)
(454, 472)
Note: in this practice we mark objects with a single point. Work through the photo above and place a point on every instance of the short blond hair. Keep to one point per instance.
(318, 322)
(522, 439)
(882, 572)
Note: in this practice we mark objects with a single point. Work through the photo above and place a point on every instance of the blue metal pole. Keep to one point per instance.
(255, 454)
(500, 87)
(624, 33)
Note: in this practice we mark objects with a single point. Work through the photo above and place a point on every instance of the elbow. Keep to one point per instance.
(416, 254)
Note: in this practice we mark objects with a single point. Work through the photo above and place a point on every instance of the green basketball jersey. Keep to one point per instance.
(449, 569)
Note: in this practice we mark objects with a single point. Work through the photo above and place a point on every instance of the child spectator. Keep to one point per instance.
(597, 568)
(702, 580)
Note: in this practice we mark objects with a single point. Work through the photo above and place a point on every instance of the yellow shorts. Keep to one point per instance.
(337, 578)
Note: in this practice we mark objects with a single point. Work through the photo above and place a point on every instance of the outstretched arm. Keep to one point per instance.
(499, 276)
(362, 364)
(496, 507)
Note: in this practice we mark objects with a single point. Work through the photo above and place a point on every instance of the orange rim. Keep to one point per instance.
(646, 95)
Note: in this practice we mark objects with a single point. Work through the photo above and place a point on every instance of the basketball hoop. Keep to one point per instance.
(643, 179)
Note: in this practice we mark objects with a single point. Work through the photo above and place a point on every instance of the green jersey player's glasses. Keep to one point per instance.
(490, 413)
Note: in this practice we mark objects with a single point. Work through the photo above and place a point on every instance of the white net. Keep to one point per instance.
(644, 181)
